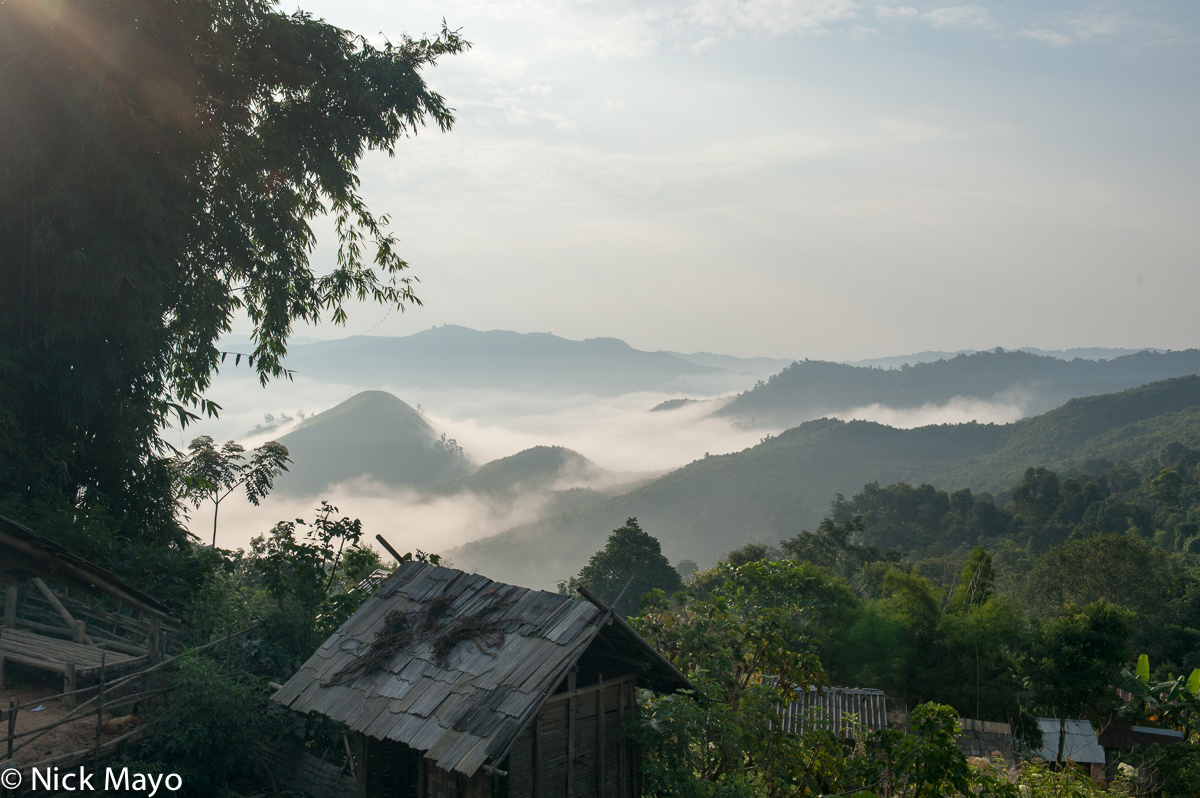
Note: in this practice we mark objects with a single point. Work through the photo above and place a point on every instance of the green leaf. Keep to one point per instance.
(1193, 682)
(1143, 669)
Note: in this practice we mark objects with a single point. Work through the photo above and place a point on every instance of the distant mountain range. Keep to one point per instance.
(785, 484)
(451, 357)
(1084, 352)
(1036, 383)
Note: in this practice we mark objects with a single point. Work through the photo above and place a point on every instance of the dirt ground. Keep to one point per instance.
(27, 685)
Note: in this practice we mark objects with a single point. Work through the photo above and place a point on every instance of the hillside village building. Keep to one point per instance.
(46, 629)
(454, 686)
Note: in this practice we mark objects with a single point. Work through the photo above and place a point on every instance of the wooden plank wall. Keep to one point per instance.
(541, 764)
(443, 784)
(296, 770)
(393, 769)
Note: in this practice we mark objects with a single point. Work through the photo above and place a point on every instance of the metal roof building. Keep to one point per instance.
(461, 686)
(1080, 743)
(841, 710)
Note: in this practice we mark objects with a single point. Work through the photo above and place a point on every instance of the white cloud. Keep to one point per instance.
(959, 410)
(529, 170)
(896, 12)
(1105, 26)
(958, 17)
(770, 16)
(1046, 35)
(1095, 25)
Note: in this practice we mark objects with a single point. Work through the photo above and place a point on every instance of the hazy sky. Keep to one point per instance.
(820, 178)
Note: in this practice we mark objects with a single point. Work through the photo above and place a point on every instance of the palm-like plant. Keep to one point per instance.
(1174, 703)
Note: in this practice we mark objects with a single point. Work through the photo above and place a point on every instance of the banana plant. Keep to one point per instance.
(1174, 703)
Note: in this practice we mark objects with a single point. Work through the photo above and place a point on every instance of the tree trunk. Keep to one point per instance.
(1062, 738)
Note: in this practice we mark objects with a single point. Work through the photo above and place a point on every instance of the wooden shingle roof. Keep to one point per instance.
(465, 708)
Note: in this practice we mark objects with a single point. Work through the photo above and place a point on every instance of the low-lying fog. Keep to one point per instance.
(619, 434)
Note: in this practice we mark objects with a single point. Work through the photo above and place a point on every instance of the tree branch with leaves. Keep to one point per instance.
(212, 474)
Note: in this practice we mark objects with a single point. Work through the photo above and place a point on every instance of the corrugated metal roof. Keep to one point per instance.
(831, 707)
(1080, 744)
(470, 707)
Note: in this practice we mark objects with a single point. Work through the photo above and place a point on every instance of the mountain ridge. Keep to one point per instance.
(453, 357)
(809, 389)
(783, 485)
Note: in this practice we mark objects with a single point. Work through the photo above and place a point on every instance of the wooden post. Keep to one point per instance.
(622, 748)
(537, 756)
(12, 723)
(48, 594)
(1, 671)
(349, 756)
(100, 705)
(79, 632)
(600, 737)
(70, 682)
(571, 735)
(77, 635)
(154, 651)
(364, 764)
(10, 606)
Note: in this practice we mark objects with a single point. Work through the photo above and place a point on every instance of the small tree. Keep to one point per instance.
(976, 582)
(630, 552)
(211, 474)
(1076, 660)
(310, 571)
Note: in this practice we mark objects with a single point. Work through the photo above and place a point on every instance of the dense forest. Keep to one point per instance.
(909, 580)
(1034, 602)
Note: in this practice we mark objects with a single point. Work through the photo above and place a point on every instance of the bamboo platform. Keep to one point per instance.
(75, 661)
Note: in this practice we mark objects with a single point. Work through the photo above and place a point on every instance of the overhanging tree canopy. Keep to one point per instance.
(160, 163)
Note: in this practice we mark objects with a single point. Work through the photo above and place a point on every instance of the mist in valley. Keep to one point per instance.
(619, 434)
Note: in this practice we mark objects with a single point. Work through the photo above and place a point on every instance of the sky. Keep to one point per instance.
(799, 178)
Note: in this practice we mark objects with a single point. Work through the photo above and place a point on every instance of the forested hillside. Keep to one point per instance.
(562, 478)
(784, 485)
(1001, 606)
(373, 435)
(808, 389)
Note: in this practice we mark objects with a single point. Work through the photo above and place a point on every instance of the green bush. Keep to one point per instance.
(206, 731)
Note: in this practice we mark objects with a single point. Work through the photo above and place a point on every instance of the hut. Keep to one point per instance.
(1124, 736)
(451, 685)
(48, 630)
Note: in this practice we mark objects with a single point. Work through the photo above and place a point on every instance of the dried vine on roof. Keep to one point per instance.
(402, 627)
(486, 633)
(396, 633)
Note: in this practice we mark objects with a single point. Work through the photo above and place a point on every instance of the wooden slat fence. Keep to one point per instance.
(842, 710)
